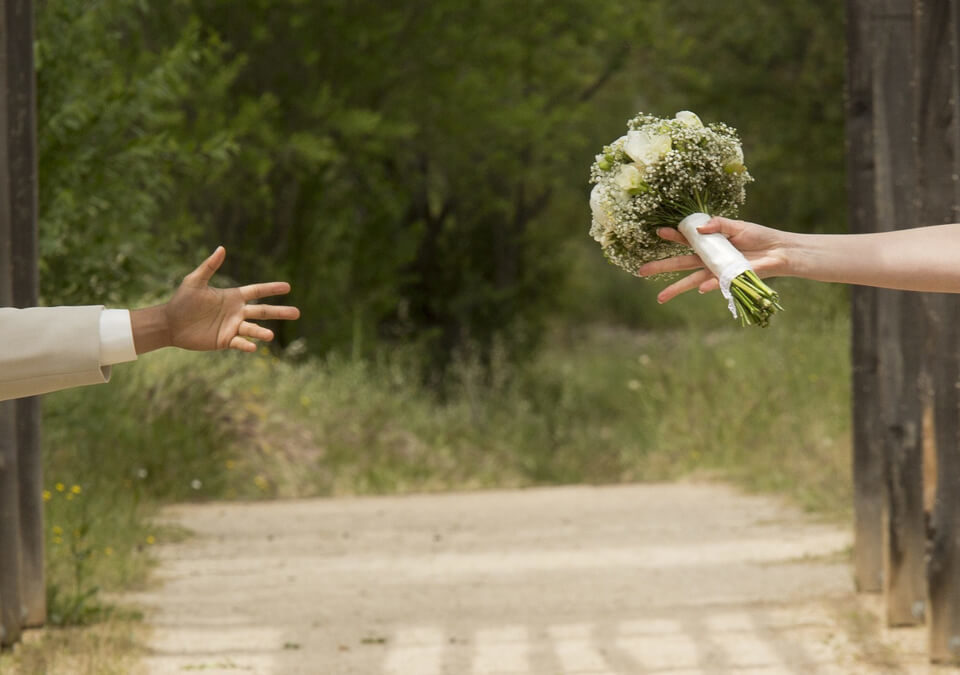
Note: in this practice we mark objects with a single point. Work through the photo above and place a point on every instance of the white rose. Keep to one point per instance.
(601, 213)
(690, 119)
(647, 148)
(629, 178)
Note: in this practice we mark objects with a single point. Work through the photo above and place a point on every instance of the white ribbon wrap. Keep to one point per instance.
(719, 255)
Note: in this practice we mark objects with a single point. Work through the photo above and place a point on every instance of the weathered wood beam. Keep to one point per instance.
(939, 197)
(900, 328)
(868, 487)
(11, 617)
(22, 149)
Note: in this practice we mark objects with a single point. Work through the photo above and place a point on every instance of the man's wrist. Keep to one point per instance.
(151, 330)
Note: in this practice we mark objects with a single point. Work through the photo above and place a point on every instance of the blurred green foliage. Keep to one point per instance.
(417, 170)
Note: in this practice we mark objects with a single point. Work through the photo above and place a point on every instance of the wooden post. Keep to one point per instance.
(941, 116)
(900, 327)
(868, 487)
(944, 567)
(11, 618)
(21, 146)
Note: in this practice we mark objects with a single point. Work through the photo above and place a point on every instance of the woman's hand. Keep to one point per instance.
(765, 248)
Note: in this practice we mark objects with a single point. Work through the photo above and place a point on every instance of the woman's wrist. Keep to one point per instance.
(802, 255)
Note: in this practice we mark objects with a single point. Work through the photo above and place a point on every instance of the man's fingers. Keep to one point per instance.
(242, 345)
(676, 264)
(252, 330)
(258, 291)
(688, 283)
(204, 273)
(266, 312)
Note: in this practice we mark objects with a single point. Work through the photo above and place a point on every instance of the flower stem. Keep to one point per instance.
(755, 301)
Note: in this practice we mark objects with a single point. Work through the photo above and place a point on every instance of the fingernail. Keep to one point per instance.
(700, 291)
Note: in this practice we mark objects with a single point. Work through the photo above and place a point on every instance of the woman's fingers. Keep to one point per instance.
(725, 226)
(711, 284)
(679, 263)
(672, 234)
(688, 283)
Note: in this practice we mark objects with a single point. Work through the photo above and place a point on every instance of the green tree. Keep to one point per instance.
(412, 154)
(124, 140)
(774, 70)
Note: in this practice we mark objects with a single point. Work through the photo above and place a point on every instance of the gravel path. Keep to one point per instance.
(677, 579)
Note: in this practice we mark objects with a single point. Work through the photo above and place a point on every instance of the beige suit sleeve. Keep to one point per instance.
(44, 349)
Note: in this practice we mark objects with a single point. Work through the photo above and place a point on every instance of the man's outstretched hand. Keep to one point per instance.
(202, 318)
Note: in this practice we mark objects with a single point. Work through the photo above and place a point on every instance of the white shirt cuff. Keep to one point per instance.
(116, 337)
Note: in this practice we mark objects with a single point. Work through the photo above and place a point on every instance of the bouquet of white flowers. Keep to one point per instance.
(673, 172)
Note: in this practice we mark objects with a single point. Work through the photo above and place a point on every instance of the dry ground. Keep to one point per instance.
(677, 579)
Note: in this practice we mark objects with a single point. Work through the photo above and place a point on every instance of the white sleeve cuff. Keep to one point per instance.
(116, 337)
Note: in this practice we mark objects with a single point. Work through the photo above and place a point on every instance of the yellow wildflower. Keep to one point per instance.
(57, 530)
(108, 550)
(60, 487)
(47, 495)
(151, 540)
(76, 489)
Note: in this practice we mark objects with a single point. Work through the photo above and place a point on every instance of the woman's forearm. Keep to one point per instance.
(921, 259)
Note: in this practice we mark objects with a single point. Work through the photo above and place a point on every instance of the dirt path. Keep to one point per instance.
(667, 579)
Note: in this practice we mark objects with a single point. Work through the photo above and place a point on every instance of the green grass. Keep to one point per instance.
(765, 408)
